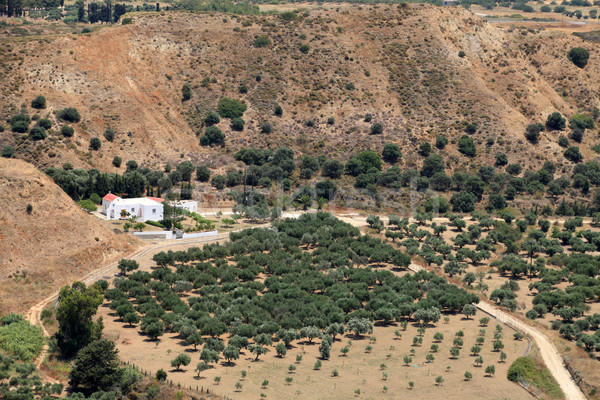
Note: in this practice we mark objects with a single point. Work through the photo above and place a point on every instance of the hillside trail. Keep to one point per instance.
(550, 354)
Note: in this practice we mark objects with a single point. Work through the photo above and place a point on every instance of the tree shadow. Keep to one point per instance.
(384, 324)
(227, 364)
(190, 350)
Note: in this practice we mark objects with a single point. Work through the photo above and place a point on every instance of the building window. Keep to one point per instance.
(132, 209)
(154, 211)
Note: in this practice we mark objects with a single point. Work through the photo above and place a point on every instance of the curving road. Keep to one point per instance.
(550, 354)
(143, 254)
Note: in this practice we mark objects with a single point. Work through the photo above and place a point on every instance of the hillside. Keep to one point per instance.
(52, 244)
(400, 64)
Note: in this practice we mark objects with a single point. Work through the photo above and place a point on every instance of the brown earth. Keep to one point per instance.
(54, 244)
(402, 61)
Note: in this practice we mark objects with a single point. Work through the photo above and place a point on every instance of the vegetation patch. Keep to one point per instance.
(537, 374)
(20, 338)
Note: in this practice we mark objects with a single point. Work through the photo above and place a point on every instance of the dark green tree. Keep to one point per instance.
(96, 367)
(77, 305)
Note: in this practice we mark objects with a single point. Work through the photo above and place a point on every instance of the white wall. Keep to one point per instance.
(151, 212)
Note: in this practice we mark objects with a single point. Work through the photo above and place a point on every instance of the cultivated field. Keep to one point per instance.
(357, 370)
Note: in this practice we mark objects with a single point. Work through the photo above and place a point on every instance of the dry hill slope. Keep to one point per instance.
(51, 246)
(400, 64)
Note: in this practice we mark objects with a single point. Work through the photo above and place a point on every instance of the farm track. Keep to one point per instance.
(550, 355)
(35, 312)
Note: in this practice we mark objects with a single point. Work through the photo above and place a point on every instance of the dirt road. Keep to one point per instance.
(550, 354)
(142, 256)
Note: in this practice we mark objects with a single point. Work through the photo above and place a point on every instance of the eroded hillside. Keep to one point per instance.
(49, 244)
(400, 64)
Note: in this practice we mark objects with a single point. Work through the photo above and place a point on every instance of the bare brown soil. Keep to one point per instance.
(403, 65)
(358, 370)
(53, 245)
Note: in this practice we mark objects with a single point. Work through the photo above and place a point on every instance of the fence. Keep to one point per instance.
(168, 235)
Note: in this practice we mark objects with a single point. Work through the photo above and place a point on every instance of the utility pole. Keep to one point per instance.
(245, 199)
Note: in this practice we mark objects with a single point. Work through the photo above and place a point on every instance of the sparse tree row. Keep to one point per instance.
(54, 10)
(213, 298)
(314, 178)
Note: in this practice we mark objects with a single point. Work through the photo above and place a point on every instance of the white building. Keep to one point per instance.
(144, 208)
(450, 2)
(190, 205)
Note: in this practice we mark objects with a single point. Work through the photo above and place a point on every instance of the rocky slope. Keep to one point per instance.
(401, 64)
(47, 245)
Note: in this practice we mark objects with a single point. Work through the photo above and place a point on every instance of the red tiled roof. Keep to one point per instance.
(158, 199)
(110, 197)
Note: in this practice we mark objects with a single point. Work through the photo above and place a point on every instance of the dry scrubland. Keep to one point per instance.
(400, 64)
(49, 245)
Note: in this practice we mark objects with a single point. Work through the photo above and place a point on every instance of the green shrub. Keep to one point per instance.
(538, 375)
(579, 56)
(532, 132)
(22, 339)
(95, 198)
(376, 129)
(203, 173)
(261, 41)
(186, 92)
(20, 117)
(37, 133)
(288, 15)
(471, 128)
(212, 136)
(461, 54)
(95, 143)
(391, 152)
(581, 121)
(218, 181)
(555, 121)
(117, 161)
(39, 102)
(266, 127)
(154, 223)
(69, 114)
(573, 154)
(441, 141)
(230, 108)
(237, 124)
(8, 152)
(466, 146)
(87, 205)
(126, 21)
(67, 131)
(109, 134)
(44, 123)
(304, 48)
(20, 127)
(212, 118)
